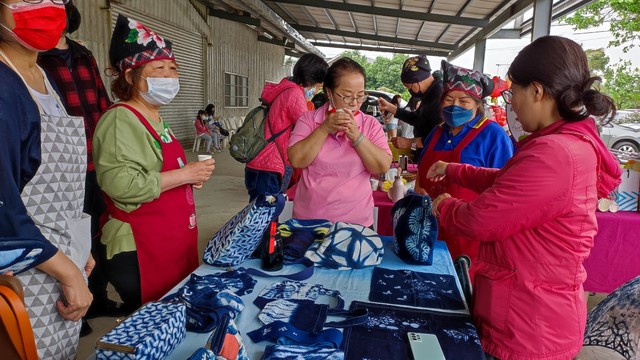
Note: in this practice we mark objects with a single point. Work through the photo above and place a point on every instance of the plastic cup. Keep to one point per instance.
(204, 157)
(375, 183)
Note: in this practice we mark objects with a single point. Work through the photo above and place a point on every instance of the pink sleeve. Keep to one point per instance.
(303, 128)
(475, 178)
(533, 190)
(375, 133)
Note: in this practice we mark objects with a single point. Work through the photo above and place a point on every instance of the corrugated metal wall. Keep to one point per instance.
(234, 49)
(231, 47)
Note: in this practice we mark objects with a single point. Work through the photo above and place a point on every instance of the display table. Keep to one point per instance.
(352, 284)
(615, 256)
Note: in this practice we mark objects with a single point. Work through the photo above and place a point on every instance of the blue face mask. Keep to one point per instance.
(308, 94)
(455, 115)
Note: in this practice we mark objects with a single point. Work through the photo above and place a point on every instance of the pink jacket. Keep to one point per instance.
(535, 219)
(287, 104)
(201, 127)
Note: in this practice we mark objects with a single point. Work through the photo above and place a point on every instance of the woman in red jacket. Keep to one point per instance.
(535, 218)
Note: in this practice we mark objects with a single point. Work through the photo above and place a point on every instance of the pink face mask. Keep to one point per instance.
(38, 26)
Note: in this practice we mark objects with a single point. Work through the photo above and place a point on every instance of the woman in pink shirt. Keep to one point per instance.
(338, 148)
(535, 218)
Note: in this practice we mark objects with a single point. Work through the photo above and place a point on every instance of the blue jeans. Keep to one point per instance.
(260, 182)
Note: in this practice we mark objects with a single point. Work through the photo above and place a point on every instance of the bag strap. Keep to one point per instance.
(16, 327)
(353, 317)
(303, 274)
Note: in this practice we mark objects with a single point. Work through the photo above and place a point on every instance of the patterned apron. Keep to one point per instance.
(54, 200)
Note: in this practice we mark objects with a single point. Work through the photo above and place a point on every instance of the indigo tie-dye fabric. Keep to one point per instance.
(615, 322)
(388, 326)
(296, 292)
(297, 352)
(298, 235)
(406, 287)
(415, 229)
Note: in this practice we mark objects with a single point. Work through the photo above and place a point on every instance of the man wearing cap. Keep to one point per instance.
(416, 76)
(76, 73)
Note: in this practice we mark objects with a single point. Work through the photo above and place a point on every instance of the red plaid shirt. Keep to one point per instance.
(83, 92)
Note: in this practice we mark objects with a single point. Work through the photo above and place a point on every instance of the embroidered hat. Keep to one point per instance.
(415, 69)
(347, 246)
(133, 44)
(472, 82)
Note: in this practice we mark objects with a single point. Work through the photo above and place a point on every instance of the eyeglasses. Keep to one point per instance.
(350, 99)
(57, 2)
(507, 95)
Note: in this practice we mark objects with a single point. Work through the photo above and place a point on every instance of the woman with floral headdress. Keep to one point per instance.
(151, 235)
(466, 136)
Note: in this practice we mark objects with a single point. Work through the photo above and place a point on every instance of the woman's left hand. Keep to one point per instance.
(436, 202)
(352, 131)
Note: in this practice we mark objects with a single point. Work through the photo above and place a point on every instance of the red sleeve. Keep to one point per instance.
(534, 189)
(475, 178)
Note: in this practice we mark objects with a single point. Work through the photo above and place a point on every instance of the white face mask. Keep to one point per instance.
(161, 91)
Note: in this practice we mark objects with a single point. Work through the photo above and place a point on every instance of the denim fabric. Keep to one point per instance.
(406, 287)
(260, 182)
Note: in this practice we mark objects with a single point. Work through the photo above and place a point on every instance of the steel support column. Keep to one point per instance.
(542, 13)
(478, 56)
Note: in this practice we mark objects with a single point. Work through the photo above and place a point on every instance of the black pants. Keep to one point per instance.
(124, 273)
(94, 206)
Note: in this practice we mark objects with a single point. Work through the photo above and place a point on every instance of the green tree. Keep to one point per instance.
(598, 61)
(623, 84)
(623, 15)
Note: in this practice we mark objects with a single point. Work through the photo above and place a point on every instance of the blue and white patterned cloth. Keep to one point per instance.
(298, 235)
(297, 352)
(346, 247)
(240, 236)
(19, 255)
(406, 287)
(153, 331)
(296, 292)
(615, 322)
(388, 326)
(415, 229)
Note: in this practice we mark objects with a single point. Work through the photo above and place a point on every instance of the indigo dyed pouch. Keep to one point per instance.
(296, 352)
(152, 332)
(415, 229)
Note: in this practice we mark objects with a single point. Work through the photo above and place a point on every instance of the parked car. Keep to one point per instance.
(370, 106)
(623, 137)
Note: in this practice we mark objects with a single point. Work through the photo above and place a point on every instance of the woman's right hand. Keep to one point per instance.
(337, 121)
(437, 171)
(384, 105)
(76, 297)
(198, 172)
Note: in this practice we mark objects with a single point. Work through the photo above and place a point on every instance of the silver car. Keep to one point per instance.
(623, 137)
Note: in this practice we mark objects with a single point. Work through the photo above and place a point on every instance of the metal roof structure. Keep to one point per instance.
(432, 27)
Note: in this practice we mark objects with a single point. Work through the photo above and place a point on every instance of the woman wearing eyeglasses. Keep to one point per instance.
(42, 173)
(338, 148)
(535, 218)
(467, 137)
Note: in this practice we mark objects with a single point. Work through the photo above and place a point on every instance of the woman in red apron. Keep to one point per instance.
(466, 136)
(151, 234)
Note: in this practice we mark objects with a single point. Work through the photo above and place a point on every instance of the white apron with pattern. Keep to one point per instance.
(54, 199)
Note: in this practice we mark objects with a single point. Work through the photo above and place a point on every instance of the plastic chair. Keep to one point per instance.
(196, 141)
(16, 335)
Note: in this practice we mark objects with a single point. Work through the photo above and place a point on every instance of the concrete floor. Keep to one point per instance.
(221, 198)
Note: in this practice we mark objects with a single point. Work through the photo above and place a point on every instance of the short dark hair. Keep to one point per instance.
(560, 66)
(338, 69)
(121, 88)
(309, 70)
